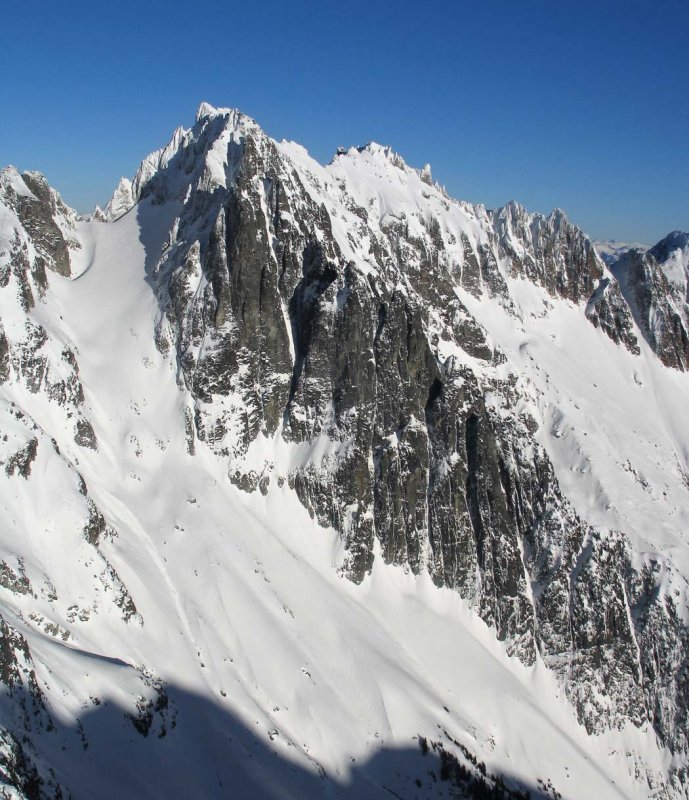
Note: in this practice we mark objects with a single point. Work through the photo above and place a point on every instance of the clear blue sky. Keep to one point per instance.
(569, 103)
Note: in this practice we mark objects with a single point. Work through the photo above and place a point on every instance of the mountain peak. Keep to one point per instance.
(672, 253)
(10, 177)
(121, 201)
(381, 152)
(200, 152)
(677, 240)
(206, 110)
(384, 154)
(234, 116)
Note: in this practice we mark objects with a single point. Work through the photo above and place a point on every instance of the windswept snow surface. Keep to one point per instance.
(284, 679)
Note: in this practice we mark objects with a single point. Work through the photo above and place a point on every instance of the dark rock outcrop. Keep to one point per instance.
(549, 251)
(654, 284)
(608, 310)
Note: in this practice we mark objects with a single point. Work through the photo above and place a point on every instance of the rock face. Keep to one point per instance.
(45, 218)
(333, 313)
(549, 251)
(608, 310)
(41, 236)
(279, 331)
(655, 286)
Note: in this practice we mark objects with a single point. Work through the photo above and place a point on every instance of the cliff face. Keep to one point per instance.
(327, 307)
(353, 334)
(655, 286)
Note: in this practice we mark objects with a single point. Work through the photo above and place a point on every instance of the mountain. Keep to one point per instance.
(320, 483)
(611, 250)
(655, 285)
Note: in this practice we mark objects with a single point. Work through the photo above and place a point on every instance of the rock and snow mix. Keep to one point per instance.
(317, 482)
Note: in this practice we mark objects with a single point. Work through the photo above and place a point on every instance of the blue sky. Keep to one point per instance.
(576, 104)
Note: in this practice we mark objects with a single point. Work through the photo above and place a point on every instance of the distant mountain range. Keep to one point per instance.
(611, 250)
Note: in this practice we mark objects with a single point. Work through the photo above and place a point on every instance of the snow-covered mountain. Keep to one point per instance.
(654, 283)
(611, 250)
(320, 483)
